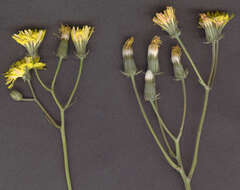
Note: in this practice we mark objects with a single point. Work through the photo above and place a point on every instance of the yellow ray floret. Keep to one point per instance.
(165, 18)
(81, 34)
(80, 38)
(19, 69)
(26, 37)
(220, 19)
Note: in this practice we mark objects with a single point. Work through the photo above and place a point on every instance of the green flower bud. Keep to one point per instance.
(16, 95)
(178, 69)
(129, 65)
(153, 63)
(150, 86)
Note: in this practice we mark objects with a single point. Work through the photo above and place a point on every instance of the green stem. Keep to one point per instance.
(49, 118)
(211, 78)
(192, 63)
(56, 74)
(213, 63)
(52, 90)
(162, 122)
(171, 153)
(39, 79)
(27, 99)
(184, 109)
(214, 69)
(186, 181)
(65, 151)
(200, 126)
(76, 84)
(167, 157)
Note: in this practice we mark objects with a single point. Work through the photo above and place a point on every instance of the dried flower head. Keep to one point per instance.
(149, 76)
(21, 68)
(150, 86)
(80, 38)
(176, 54)
(213, 24)
(178, 69)
(65, 31)
(130, 68)
(167, 21)
(30, 39)
(153, 63)
(154, 45)
(127, 49)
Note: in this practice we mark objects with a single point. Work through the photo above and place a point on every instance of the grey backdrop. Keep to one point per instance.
(109, 144)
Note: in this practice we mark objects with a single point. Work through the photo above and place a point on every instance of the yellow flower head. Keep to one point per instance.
(167, 21)
(176, 54)
(21, 68)
(80, 38)
(65, 32)
(213, 24)
(30, 39)
(154, 45)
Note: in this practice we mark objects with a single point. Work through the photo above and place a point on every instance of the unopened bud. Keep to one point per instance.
(153, 63)
(150, 86)
(63, 45)
(129, 65)
(178, 69)
(16, 95)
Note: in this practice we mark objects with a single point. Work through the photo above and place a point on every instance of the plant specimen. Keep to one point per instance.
(213, 24)
(31, 40)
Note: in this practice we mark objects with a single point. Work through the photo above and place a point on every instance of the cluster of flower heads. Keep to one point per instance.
(31, 40)
(212, 22)
(153, 67)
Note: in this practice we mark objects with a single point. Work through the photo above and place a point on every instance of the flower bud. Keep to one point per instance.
(16, 95)
(178, 69)
(150, 86)
(153, 63)
(130, 68)
(63, 45)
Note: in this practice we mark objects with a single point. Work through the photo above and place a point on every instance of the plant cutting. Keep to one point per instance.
(29, 66)
(213, 24)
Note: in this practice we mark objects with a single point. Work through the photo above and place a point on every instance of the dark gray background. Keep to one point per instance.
(109, 144)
